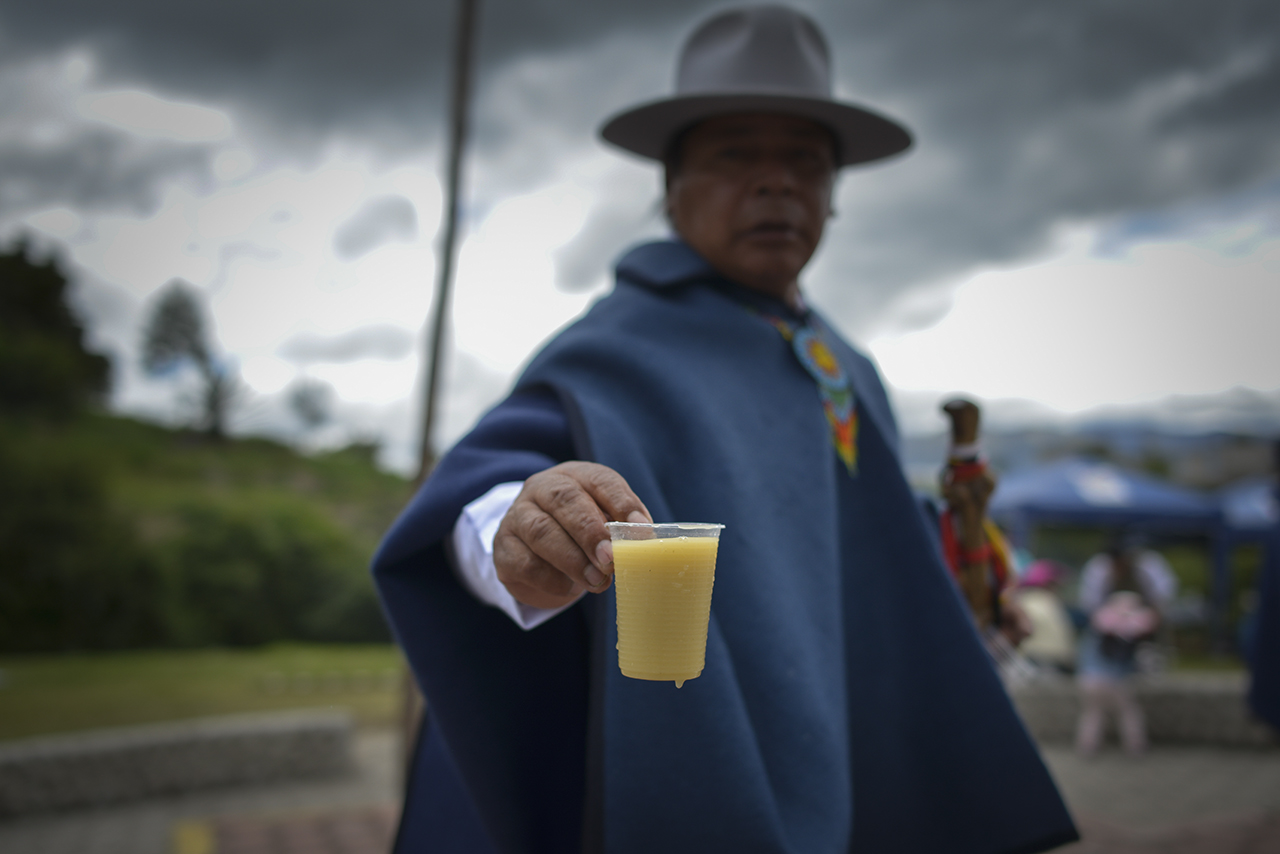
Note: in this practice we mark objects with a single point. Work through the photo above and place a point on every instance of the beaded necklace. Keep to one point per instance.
(838, 402)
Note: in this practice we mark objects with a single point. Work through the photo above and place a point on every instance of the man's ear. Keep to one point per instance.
(668, 182)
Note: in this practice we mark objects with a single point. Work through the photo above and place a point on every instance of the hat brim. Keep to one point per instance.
(648, 129)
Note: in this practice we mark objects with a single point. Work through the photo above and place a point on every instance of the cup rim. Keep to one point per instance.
(691, 526)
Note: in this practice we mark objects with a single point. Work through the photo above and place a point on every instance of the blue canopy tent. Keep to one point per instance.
(1249, 508)
(1076, 491)
(1087, 493)
(1251, 514)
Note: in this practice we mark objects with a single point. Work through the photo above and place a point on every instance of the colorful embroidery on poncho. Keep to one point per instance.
(833, 386)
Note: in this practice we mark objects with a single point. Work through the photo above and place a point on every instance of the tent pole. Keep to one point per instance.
(1219, 641)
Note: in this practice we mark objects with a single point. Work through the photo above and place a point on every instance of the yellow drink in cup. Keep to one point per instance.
(663, 574)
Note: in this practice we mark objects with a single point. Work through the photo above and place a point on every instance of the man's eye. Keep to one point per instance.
(810, 161)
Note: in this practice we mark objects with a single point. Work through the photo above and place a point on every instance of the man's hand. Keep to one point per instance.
(553, 543)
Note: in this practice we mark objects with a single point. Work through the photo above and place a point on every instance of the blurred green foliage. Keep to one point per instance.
(116, 534)
(43, 363)
(257, 567)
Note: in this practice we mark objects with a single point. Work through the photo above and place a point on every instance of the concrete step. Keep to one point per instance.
(114, 765)
(1181, 708)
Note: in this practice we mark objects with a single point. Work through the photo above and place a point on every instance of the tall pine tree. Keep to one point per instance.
(44, 365)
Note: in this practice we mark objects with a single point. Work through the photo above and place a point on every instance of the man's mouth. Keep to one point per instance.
(771, 229)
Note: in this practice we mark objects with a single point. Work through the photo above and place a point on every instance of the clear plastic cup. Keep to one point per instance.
(663, 574)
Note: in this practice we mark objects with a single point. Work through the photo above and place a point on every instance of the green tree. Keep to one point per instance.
(312, 403)
(176, 335)
(44, 365)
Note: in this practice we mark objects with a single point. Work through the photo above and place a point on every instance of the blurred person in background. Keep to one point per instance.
(704, 388)
(1124, 592)
(1051, 645)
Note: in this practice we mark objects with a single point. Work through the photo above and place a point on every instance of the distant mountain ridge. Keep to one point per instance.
(1199, 441)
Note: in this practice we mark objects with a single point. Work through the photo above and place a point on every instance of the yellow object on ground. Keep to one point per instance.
(194, 837)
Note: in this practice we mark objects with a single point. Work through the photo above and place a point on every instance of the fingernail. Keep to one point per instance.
(637, 517)
(593, 576)
(604, 554)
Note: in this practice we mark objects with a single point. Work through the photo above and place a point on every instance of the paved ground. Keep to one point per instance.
(353, 815)
(1171, 801)
(367, 830)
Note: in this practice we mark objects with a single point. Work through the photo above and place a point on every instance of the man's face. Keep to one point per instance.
(751, 193)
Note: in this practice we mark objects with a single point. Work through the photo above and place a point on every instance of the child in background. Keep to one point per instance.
(1123, 592)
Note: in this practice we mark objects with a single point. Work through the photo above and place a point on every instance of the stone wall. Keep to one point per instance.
(1181, 708)
(108, 766)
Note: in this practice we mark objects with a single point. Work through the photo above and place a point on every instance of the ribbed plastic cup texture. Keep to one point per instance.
(663, 576)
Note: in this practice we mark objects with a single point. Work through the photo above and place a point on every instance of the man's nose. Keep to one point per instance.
(774, 174)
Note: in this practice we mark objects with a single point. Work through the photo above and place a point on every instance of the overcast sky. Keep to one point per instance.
(1091, 215)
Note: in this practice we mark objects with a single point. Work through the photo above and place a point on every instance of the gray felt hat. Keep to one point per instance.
(755, 59)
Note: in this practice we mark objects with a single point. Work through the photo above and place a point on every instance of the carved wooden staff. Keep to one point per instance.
(967, 487)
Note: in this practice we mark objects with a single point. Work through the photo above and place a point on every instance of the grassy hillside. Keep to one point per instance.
(116, 533)
(153, 466)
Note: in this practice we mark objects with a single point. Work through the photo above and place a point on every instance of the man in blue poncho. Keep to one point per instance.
(846, 703)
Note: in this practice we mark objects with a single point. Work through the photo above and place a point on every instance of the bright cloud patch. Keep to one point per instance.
(147, 115)
(506, 300)
(1078, 331)
(267, 375)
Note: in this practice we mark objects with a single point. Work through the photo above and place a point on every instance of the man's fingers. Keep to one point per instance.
(613, 500)
(581, 497)
(559, 520)
(547, 535)
(613, 494)
(530, 578)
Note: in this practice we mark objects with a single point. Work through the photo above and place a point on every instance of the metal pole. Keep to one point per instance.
(464, 43)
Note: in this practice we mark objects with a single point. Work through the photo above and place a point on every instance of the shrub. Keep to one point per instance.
(227, 567)
(74, 576)
(255, 568)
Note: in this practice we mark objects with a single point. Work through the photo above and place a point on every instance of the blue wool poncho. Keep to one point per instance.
(847, 703)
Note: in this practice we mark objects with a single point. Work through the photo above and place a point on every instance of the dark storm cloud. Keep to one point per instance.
(317, 66)
(1030, 116)
(51, 157)
(379, 221)
(379, 341)
(1027, 115)
(96, 170)
(1259, 207)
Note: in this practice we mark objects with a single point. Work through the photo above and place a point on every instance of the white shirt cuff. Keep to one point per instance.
(473, 536)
